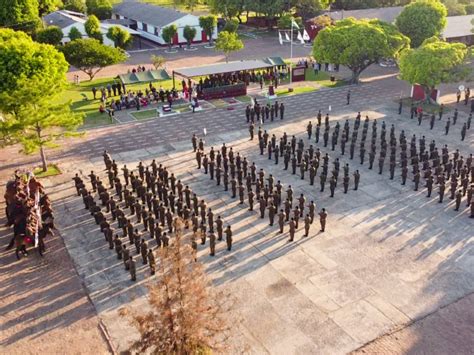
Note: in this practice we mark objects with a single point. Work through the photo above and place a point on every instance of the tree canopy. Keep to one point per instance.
(168, 34)
(32, 76)
(310, 8)
(92, 27)
(231, 25)
(74, 33)
(421, 20)
(208, 23)
(19, 14)
(75, 5)
(119, 36)
(433, 63)
(50, 35)
(358, 44)
(228, 42)
(91, 56)
(100, 8)
(158, 61)
(189, 33)
(284, 22)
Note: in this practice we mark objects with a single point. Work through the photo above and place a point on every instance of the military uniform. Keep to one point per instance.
(228, 238)
(133, 269)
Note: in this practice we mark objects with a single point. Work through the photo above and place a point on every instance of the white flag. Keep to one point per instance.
(306, 36)
(280, 39)
(287, 37)
(329, 108)
(300, 37)
(294, 24)
(204, 130)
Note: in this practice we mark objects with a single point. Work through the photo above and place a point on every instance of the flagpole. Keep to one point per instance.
(291, 53)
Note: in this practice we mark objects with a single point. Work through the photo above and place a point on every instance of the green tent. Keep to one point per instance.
(144, 76)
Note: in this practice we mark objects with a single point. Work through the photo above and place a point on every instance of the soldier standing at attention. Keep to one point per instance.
(322, 219)
(228, 238)
(281, 220)
(219, 227)
(144, 251)
(151, 261)
(118, 246)
(309, 129)
(282, 110)
(442, 187)
(458, 200)
(292, 229)
(307, 224)
(133, 269)
(251, 131)
(212, 243)
(126, 257)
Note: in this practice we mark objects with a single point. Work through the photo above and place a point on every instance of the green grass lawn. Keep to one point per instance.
(296, 91)
(52, 171)
(90, 107)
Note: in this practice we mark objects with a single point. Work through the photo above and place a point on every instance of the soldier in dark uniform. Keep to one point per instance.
(317, 131)
(322, 179)
(271, 213)
(281, 220)
(133, 269)
(416, 180)
(400, 106)
(332, 185)
(228, 238)
(446, 128)
(345, 183)
(126, 257)
(212, 244)
(144, 250)
(292, 229)
(429, 185)
(307, 224)
(463, 131)
(441, 191)
(322, 219)
(282, 110)
(195, 143)
(241, 194)
(309, 129)
(404, 175)
(118, 246)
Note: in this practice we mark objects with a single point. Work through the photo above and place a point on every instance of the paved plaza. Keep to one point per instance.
(390, 256)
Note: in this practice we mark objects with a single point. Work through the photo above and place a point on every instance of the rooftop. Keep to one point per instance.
(458, 26)
(63, 18)
(147, 13)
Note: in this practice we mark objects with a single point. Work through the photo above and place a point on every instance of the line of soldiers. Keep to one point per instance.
(155, 198)
(419, 114)
(425, 161)
(258, 113)
(234, 172)
(293, 152)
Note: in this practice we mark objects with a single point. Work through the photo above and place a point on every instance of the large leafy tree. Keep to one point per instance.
(189, 33)
(208, 23)
(91, 56)
(228, 42)
(357, 44)
(92, 27)
(47, 6)
(50, 35)
(32, 77)
(74, 33)
(19, 14)
(100, 8)
(269, 8)
(310, 8)
(75, 5)
(119, 36)
(421, 20)
(168, 34)
(433, 63)
(228, 8)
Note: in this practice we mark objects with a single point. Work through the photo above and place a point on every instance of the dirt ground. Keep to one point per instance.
(43, 306)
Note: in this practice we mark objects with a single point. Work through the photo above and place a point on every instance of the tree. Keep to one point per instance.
(189, 33)
(19, 14)
(358, 44)
(433, 63)
(168, 34)
(119, 36)
(50, 35)
(75, 5)
(186, 313)
(92, 27)
(309, 8)
(158, 61)
(228, 42)
(454, 8)
(100, 8)
(47, 6)
(208, 23)
(91, 56)
(32, 78)
(231, 25)
(421, 20)
(284, 22)
(269, 8)
(228, 8)
(74, 34)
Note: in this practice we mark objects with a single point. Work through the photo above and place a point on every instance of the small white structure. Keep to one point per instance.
(66, 20)
(149, 20)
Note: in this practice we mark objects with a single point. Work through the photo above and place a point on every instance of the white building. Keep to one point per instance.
(66, 20)
(149, 20)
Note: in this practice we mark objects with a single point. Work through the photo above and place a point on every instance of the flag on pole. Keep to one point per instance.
(204, 131)
(300, 37)
(280, 39)
(306, 36)
(329, 108)
(294, 24)
(287, 37)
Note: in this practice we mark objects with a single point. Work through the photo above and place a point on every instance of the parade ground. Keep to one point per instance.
(392, 273)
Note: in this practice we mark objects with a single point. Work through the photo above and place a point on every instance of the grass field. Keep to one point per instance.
(52, 171)
(76, 95)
